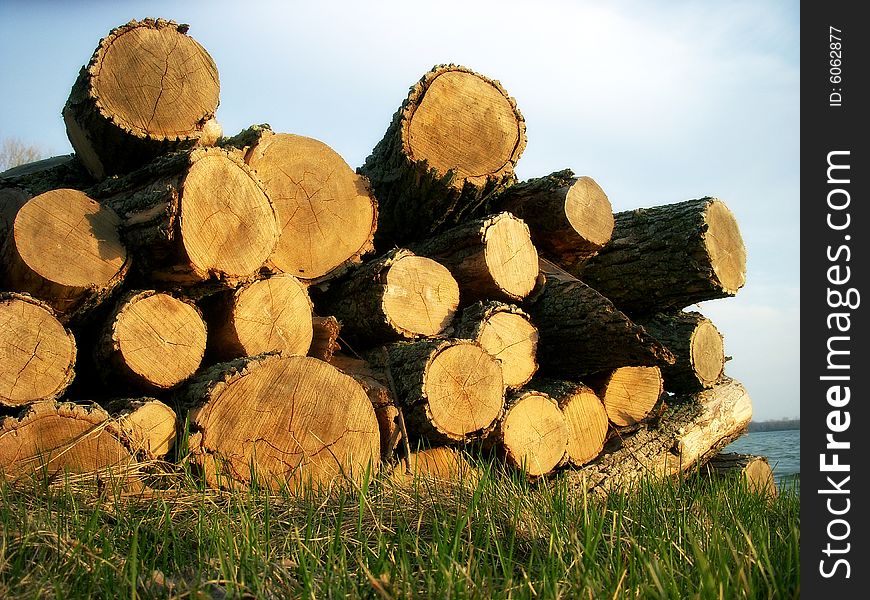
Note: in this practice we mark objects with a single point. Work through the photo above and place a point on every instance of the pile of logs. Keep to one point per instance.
(255, 306)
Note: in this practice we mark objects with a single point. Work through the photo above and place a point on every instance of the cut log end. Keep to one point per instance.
(725, 247)
(589, 211)
(755, 470)
(421, 296)
(228, 225)
(465, 390)
(464, 123)
(269, 315)
(587, 424)
(48, 438)
(175, 80)
(160, 340)
(326, 212)
(148, 424)
(38, 353)
(511, 257)
(533, 434)
(707, 353)
(513, 340)
(64, 248)
(629, 393)
(285, 421)
(442, 464)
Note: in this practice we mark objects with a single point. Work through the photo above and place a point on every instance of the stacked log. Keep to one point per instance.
(310, 324)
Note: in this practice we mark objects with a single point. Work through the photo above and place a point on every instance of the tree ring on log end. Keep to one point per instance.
(587, 425)
(535, 434)
(725, 246)
(630, 393)
(161, 339)
(228, 228)
(37, 353)
(421, 296)
(464, 388)
(466, 124)
(707, 353)
(511, 258)
(513, 340)
(273, 314)
(70, 240)
(586, 199)
(170, 86)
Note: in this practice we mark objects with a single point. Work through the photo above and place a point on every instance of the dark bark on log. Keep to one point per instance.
(669, 257)
(581, 332)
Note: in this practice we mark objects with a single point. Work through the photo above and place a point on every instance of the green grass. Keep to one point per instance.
(501, 538)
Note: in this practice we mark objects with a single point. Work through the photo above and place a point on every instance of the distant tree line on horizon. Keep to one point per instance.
(775, 425)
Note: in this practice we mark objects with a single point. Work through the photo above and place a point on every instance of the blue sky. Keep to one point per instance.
(657, 101)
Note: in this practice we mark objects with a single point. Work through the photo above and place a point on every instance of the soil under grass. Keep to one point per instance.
(501, 537)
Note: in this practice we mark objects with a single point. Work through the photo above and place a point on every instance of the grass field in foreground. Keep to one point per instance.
(500, 538)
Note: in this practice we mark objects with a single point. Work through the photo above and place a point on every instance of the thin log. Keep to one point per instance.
(584, 414)
(324, 341)
(147, 423)
(628, 393)
(755, 470)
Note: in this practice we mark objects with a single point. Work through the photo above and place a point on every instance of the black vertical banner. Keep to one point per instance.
(835, 357)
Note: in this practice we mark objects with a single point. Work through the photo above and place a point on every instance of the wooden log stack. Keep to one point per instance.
(310, 324)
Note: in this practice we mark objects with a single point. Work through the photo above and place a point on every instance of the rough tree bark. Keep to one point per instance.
(326, 213)
(581, 332)
(506, 332)
(37, 354)
(570, 218)
(324, 337)
(195, 216)
(65, 249)
(691, 430)
(398, 296)
(147, 90)
(454, 141)
(294, 422)
(668, 257)
(492, 258)
(755, 470)
(697, 346)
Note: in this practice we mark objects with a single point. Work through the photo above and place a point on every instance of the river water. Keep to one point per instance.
(782, 449)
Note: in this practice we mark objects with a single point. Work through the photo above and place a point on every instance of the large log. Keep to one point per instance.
(570, 218)
(65, 249)
(294, 422)
(581, 332)
(532, 435)
(506, 332)
(47, 439)
(584, 414)
(492, 258)
(267, 315)
(398, 296)
(452, 390)
(697, 346)
(152, 341)
(194, 216)
(668, 257)
(326, 212)
(147, 90)
(628, 393)
(454, 141)
(691, 430)
(37, 354)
